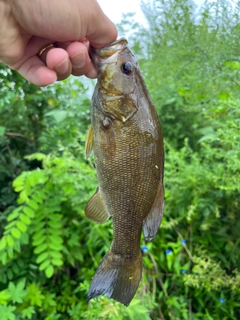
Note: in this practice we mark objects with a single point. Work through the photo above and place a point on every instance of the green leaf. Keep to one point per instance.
(40, 196)
(49, 271)
(29, 212)
(2, 131)
(57, 262)
(21, 226)
(9, 226)
(10, 250)
(39, 226)
(25, 219)
(33, 204)
(55, 247)
(55, 217)
(54, 232)
(20, 180)
(10, 274)
(35, 295)
(40, 234)
(7, 312)
(23, 197)
(36, 156)
(38, 240)
(4, 297)
(28, 312)
(14, 214)
(21, 284)
(3, 257)
(20, 263)
(15, 268)
(55, 254)
(55, 239)
(10, 241)
(25, 238)
(17, 292)
(3, 243)
(44, 265)
(16, 233)
(55, 225)
(41, 248)
(42, 257)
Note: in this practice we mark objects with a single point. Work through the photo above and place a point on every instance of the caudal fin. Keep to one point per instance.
(117, 278)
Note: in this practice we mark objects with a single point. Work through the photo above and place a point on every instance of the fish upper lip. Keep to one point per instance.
(107, 54)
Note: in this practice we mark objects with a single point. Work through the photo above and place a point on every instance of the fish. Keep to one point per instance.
(126, 139)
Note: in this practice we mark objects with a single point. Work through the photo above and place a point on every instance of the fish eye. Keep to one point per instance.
(127, 68)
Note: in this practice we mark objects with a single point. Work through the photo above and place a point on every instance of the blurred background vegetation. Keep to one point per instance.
(49, 250)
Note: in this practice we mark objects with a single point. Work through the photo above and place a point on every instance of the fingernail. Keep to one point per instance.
(78, 59)
(62, 67)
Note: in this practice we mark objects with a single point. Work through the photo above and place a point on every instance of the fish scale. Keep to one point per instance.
(127, 143)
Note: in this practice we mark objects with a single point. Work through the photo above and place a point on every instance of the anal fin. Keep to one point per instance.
(96, 209)
(152, 222)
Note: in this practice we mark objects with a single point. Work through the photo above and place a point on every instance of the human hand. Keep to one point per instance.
(28, 26)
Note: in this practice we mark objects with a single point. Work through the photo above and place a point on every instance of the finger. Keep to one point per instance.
(57, 59)
(36, 72)
(79, 57)
(92, 72)
(58, 64)
(33, 47)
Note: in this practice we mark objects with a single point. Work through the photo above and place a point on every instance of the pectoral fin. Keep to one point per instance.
(96, 209)
(89, 143)
(152, 222)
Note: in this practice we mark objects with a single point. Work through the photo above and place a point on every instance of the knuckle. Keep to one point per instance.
(12, 57)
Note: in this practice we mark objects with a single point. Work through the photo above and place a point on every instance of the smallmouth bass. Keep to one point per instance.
(126, 139)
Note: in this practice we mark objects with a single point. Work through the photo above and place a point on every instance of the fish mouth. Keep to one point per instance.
(107, 54)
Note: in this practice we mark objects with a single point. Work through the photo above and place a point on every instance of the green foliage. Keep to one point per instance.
(49, 250)
(7, 312)
(42, 193)
(186, 62)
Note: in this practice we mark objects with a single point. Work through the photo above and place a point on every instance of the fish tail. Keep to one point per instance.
(117, 277)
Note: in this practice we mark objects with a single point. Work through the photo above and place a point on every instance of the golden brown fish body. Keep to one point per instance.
(128, 149)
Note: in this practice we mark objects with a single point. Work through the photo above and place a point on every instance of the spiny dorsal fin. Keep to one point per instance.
(96, 209)
(89, 143)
